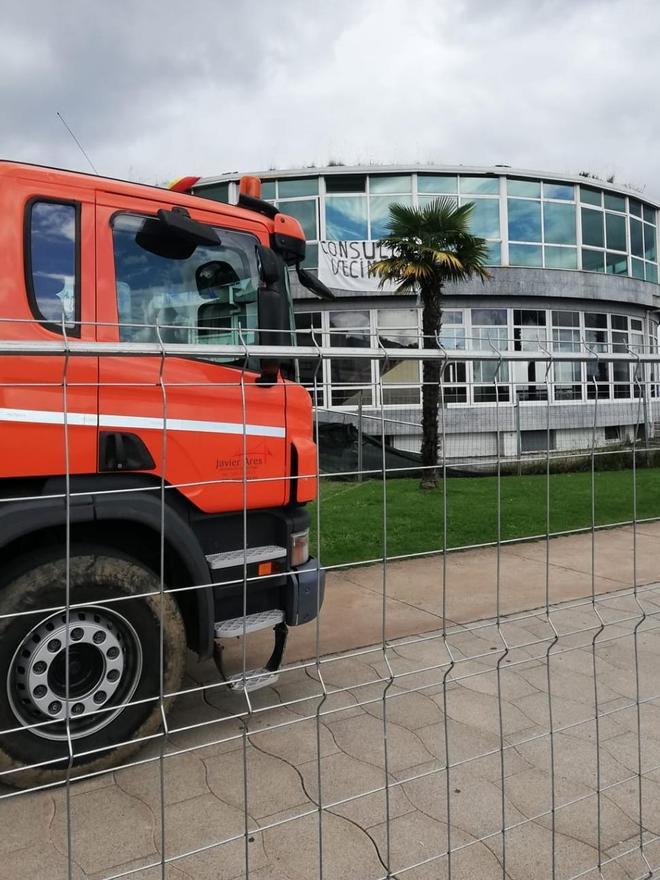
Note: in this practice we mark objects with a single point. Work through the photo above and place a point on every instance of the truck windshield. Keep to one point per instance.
(205, 297)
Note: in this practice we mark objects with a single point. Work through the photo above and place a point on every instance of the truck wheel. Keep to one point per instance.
(114, 675)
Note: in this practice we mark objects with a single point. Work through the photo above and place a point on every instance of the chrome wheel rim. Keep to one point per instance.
(104, 668)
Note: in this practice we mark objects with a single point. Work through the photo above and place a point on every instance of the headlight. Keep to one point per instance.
(299, 548)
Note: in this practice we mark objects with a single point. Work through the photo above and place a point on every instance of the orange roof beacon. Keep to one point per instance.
(153, 491)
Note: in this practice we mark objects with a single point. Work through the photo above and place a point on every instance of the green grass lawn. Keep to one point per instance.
(352, 513)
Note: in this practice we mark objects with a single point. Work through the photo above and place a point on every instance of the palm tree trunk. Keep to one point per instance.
(430, 388)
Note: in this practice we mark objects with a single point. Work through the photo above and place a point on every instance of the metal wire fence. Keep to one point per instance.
(476, 696)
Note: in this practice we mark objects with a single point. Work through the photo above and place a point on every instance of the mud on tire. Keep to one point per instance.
(113, 679)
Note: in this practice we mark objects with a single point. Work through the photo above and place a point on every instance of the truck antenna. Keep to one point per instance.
(80, 146)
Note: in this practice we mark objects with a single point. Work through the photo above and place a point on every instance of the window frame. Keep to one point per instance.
(33, 302)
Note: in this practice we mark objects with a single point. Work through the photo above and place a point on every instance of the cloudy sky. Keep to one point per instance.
(156, 90)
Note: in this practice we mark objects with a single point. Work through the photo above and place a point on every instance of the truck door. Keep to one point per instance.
(220, 424)
(47, 243)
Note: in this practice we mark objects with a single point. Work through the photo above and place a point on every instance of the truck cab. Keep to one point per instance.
(153, 488)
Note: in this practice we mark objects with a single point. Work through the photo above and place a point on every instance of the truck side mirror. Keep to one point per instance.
(274, 316)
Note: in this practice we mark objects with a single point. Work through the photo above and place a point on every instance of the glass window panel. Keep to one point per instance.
(453, 337)
(525, 255)
(480, 185)
(566, 339)
(311, 260)
(208, 296)
(451, 316)
(649, 242)
(637, 268)
(566, 319)
(652, 272)
(526, 188)
(437, 183)
(350, 329)
(308, 332)
(346, 218)
(380, 212)
(485, 218)
(593, 261)
(397, 328)
(346, 183)
(635, 207)
(427, 200)
(615, 228)
(290, 187)
(614, 202)
(305, 213)
(390, 184)
(559, 223)
(562, 191)
(485, 371)
(649, 214)
(616, 264)
(529, 317)
(524, 220)
(591, 196)
(219, 192)
(267, 189)
(494, 256)
(619, 322)
(560, 258)
(636, 238)
(53, 261)
(595, 319)
(592, 228)
(636, 324)
(489, 317)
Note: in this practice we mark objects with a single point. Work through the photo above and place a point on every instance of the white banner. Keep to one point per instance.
(344, 265)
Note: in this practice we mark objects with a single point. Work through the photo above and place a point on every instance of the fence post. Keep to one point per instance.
(516, 409)
(359, 426)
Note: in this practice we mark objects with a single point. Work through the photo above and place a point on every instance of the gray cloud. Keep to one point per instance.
(157, 90)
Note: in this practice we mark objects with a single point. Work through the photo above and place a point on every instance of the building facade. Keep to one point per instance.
(573, 263)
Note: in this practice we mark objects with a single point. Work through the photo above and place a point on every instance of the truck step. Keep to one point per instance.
(234, 558)
(254, 680)
(236, 626)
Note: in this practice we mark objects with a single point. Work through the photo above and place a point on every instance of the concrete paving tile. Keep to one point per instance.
(416, 838)
(482, 711)
(474, 804)
(529, 854)
(575, 759)
(25, 818)
(624, 748)
(626, 797)
(297, 742)
(225, 862)
(467, 743)
(200, 822)
(39, 861)
(575, 808)
(343, 777)
(184, 776)
(108, 827)
(148, 868)
(272, 783)
(410, 710)
(566, 685)
(362, 738)
(348, 852)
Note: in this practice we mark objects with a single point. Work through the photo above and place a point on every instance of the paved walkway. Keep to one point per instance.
(298, 741)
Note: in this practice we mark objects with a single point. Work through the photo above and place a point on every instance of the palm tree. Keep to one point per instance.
(428, 247)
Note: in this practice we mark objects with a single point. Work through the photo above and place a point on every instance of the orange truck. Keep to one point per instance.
(153, 493)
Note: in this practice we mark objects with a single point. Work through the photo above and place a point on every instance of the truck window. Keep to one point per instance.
(203, 297)
(51, 253)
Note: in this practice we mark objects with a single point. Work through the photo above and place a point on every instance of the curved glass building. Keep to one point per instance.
(574, 262)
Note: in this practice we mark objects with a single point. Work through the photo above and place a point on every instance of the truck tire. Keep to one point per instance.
(114, 678)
